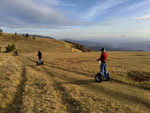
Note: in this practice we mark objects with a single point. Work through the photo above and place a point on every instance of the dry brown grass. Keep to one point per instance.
(29, 45)
(39, 94)
(65, 84)
(74, 72)
(10, 72)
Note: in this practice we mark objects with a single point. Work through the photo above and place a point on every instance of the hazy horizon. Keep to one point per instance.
(97, 20)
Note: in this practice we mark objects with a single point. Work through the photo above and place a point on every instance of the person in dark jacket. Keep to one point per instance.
(40, 56)
(103, 59)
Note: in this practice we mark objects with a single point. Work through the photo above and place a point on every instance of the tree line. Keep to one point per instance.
(79, 46)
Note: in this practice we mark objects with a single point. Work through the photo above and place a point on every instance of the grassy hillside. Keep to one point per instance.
(65, 84)
(29, 45)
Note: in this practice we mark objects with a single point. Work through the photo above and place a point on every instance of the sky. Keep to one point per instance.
(98, 20)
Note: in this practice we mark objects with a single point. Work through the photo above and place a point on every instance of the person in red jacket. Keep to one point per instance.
(103, 59)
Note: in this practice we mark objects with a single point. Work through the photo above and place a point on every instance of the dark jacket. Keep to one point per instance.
(40, 54)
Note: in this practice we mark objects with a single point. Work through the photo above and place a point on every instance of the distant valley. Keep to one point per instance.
(137, 46)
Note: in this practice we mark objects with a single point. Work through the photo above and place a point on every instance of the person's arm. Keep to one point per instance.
(99, 58)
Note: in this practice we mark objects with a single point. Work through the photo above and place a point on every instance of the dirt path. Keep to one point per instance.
(73, 105)
(15, 106)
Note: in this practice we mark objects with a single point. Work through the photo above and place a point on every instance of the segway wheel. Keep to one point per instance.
(42, 63)
(37, 63)
(107, 77)
(98, 77)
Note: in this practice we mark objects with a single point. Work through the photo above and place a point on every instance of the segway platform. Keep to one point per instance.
(99, 77)
(39, 63)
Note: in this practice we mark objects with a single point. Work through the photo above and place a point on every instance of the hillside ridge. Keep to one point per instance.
(33, 44)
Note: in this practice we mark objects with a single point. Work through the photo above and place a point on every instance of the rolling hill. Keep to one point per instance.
(29, 45)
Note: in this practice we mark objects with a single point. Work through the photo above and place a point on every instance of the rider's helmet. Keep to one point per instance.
(103, 49)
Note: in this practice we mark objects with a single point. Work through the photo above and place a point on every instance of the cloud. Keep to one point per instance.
(113, 7)
(146, 17)
(33, 13)
(101, 7)
(54, 3)
(136, 5)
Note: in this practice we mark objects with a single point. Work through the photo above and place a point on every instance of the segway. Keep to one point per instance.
(40, 62)
(99, 77)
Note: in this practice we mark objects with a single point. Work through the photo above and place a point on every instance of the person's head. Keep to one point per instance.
(103, 50)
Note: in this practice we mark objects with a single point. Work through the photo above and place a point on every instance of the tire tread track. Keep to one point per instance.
(73, 106)
(15, 106)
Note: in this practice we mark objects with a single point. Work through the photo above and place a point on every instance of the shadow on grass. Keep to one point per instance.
(139, 76)
(140, 55)
(82, 82)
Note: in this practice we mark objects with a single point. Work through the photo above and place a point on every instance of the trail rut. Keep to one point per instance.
(15, 106)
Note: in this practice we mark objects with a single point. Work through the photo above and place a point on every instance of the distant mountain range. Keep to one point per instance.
(139, 46)
(144, 46)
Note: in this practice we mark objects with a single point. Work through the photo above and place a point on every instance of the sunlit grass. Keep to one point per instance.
(65, 83)
(10, 76)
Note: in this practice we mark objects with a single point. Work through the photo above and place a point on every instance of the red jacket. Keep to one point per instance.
(103, 57)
